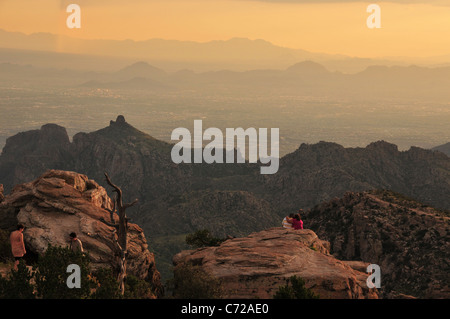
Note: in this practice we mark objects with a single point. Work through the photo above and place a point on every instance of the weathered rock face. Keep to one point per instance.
(408, 240)
(61, 202)
(2, 196)
(243, 213)
(255, 266)
(319, 172)
(29, 154)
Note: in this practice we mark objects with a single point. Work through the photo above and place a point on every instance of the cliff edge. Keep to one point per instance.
(257, 265)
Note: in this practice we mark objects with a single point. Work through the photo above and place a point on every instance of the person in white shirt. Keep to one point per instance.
(286, 224)
(75, 243)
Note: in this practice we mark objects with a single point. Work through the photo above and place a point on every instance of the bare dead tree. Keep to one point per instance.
(120, 231)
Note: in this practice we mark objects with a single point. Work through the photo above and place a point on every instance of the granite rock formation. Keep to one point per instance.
(61, 202)
(408, 240)
(257, 265)
(319, 172)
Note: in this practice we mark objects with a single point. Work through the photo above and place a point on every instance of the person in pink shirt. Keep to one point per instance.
(297, 222)
(17, 244)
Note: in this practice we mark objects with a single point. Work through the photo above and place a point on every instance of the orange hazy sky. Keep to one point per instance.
(415, 30)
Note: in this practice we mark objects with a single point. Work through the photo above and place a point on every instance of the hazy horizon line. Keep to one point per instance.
(217, 40)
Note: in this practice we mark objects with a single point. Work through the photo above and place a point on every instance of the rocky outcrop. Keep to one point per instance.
(445, 148)
(2, 196)
(408, 240)
(61, 202)
(319, 172)
(27, 155)
(257, 265)
(235, 213)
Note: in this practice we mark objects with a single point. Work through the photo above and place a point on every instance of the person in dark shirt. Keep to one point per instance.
(75, 243)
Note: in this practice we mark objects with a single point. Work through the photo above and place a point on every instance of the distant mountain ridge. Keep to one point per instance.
(235, 53)
(306, 77)
(379, 165)
(445, 148)
(140, 69)
(309, 175)
(307, 67)
(318, 172)
(240, 49)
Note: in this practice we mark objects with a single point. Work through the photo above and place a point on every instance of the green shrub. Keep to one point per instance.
(47, 279)
(136, 288)
(295, 289)
(191, 282)
(17, 284)
(5, 246)
(105, 284)
(51, 275)
(202, 238)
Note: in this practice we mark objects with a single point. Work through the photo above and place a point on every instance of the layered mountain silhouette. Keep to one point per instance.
(128, 153)
(306, 77)
(444, 148)
(228, 199)
(235, 53)
(317, 172)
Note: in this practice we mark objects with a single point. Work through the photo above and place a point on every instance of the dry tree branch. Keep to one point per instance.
(121, 229)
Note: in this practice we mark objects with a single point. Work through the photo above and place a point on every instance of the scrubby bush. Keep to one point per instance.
(192, 282)
(47, 279)
(136, 288)
(51, 275)
(202, 238)
(105, 284)
(5, 246)
(295, 289)
(17, 284)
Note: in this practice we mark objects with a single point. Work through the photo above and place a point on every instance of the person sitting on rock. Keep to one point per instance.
(17, 245)
(297, 222)
(75, 243)
(287, 221)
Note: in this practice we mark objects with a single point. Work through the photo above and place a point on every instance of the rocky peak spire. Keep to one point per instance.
(120, 120)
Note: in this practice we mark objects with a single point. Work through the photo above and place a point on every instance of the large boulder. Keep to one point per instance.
(61, 202)
(257, 265)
